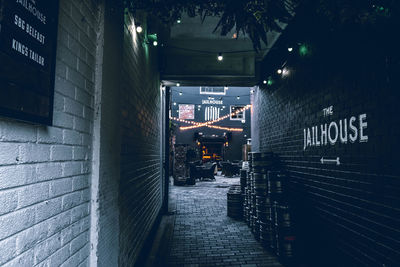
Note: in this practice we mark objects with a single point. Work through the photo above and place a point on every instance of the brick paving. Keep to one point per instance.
(204, 235)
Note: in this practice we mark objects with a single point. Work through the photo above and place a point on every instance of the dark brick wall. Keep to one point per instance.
(347, 214)
(141, 181)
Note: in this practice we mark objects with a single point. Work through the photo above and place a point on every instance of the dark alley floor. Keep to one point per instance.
(203, 235)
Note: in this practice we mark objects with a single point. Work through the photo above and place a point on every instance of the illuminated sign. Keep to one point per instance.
(186, 112)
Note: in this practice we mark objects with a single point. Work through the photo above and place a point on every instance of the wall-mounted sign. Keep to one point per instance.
(212, 102)
(344, 131)
(186, 112)
(28, 39)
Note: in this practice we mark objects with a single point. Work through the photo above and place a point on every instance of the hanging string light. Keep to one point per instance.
(213, 121)
(208, 123)
(213, 127)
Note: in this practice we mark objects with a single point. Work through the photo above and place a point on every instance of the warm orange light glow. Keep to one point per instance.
(208, 123)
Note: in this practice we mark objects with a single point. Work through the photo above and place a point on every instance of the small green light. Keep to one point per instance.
(152, 37)
(269, 82)
(303, 50)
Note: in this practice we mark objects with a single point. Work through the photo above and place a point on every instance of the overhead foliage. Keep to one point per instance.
(257, 17)
(356, 12)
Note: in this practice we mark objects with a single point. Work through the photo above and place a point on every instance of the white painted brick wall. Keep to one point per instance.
(45, 171)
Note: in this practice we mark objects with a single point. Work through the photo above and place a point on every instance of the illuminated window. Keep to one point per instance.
(186, 112)
(239, 116)
(211, 113)
(213, 90)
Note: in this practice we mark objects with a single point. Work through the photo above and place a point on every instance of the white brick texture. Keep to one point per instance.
(45, 171)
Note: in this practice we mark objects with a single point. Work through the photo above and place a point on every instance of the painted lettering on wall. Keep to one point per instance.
(31, 8)
(343, 131)
(25, 51)
(211, 102)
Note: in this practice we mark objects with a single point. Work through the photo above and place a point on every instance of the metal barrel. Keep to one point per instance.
(256, 230)
(250, 160)
(263, 207)
(263, 162)
(267, 233)
(285, 236)
(251, 221)
(286, 241)
(282, 215)
(243, 178)
(235, 202)
(276, 185)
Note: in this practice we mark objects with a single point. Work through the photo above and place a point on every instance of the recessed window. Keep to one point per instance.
(211, 113)
(236, 115)
(213, 90)
(186, 112)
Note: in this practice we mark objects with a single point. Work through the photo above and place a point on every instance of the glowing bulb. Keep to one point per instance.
(178, 84)
(238, 97)
(180, 93)
(220, 57)
(139, 28)
(285, 72)
(279, 71)
(290, 49)
(174, 103)
(178, 21)
(265, 82)
(155, 43)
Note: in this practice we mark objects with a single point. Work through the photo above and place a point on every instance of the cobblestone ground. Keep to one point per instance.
(205, 236)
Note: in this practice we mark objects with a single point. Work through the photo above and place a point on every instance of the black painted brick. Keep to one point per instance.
(352, 208)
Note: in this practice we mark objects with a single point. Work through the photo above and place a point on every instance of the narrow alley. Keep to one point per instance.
(166, 133)
(204, 235)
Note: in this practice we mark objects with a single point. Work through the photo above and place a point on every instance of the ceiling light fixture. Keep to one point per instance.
(220, 57)
(139, 28)
(285, 72)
